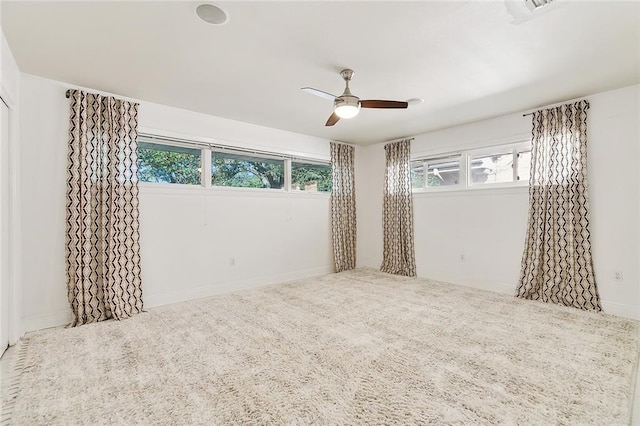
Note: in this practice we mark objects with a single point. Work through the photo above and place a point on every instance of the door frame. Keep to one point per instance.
(14, 241)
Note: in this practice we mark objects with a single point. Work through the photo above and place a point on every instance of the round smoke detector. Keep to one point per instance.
(211, 14)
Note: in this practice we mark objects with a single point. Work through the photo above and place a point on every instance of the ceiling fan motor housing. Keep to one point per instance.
(347, 100)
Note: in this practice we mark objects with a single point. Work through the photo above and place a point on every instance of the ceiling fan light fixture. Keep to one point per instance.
(347, 106)
(347, 111)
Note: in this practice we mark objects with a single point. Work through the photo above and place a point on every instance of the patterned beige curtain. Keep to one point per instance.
(102, 241)
(343, 206)
(556, 264)
(397, 214)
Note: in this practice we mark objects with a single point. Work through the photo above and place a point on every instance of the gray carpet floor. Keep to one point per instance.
(359, 347)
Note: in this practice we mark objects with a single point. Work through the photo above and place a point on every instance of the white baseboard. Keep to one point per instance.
(621, 310)
(54, 319)
(612, 308)
(154, 300)
(60, 318)
(495, 286)
(368, 263)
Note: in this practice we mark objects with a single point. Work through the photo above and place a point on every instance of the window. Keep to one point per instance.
(500, 165)
(246, 171)
(505, 165)
(311, 177)
(168, 164)
(491, 168)
(178, 161)
(436, 171)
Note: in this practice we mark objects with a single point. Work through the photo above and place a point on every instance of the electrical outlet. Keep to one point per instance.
(618, 276)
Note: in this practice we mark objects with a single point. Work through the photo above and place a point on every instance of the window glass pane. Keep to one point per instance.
(311, 177)
(492, 168)
(246, 171)
(417, 174)
(524, 165)
(443, 171)
(168, 164)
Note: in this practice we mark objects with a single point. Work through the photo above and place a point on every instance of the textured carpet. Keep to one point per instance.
(359, 347)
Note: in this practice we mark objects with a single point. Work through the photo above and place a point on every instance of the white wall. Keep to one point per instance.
(10, 94)
(488, 226)
(189, 236)
(369, 181)
(614, 148)
(9, 72)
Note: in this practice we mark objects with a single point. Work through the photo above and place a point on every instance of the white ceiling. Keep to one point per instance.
(469, 60)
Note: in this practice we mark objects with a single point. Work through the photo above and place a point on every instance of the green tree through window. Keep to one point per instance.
(163, 163)
(310, 176)
(168, 164)
(246, 171)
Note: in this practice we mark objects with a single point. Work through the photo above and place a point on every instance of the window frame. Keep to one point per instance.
(248, 154)
(177, 144)
(208, 146)
(514, 149)
(466, 157)
(289, 174)
(435, 157)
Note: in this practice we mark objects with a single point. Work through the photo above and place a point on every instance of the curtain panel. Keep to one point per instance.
(556, 264)
(102, 239)
(343, 206)
(397, 213)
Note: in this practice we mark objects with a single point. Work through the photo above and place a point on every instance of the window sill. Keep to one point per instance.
(181, 189)
(474, 190)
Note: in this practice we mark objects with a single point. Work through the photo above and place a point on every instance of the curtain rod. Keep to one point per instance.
(344, 143)
(397, 140)
(556, 104)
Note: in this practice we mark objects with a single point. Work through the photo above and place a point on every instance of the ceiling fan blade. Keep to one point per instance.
(374, 103)
(312, 91)
(333, 119)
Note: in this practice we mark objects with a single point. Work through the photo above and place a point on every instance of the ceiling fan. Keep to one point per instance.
(348, 105)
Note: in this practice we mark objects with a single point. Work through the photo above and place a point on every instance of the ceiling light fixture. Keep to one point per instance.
(211, 14)
(346, 106)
